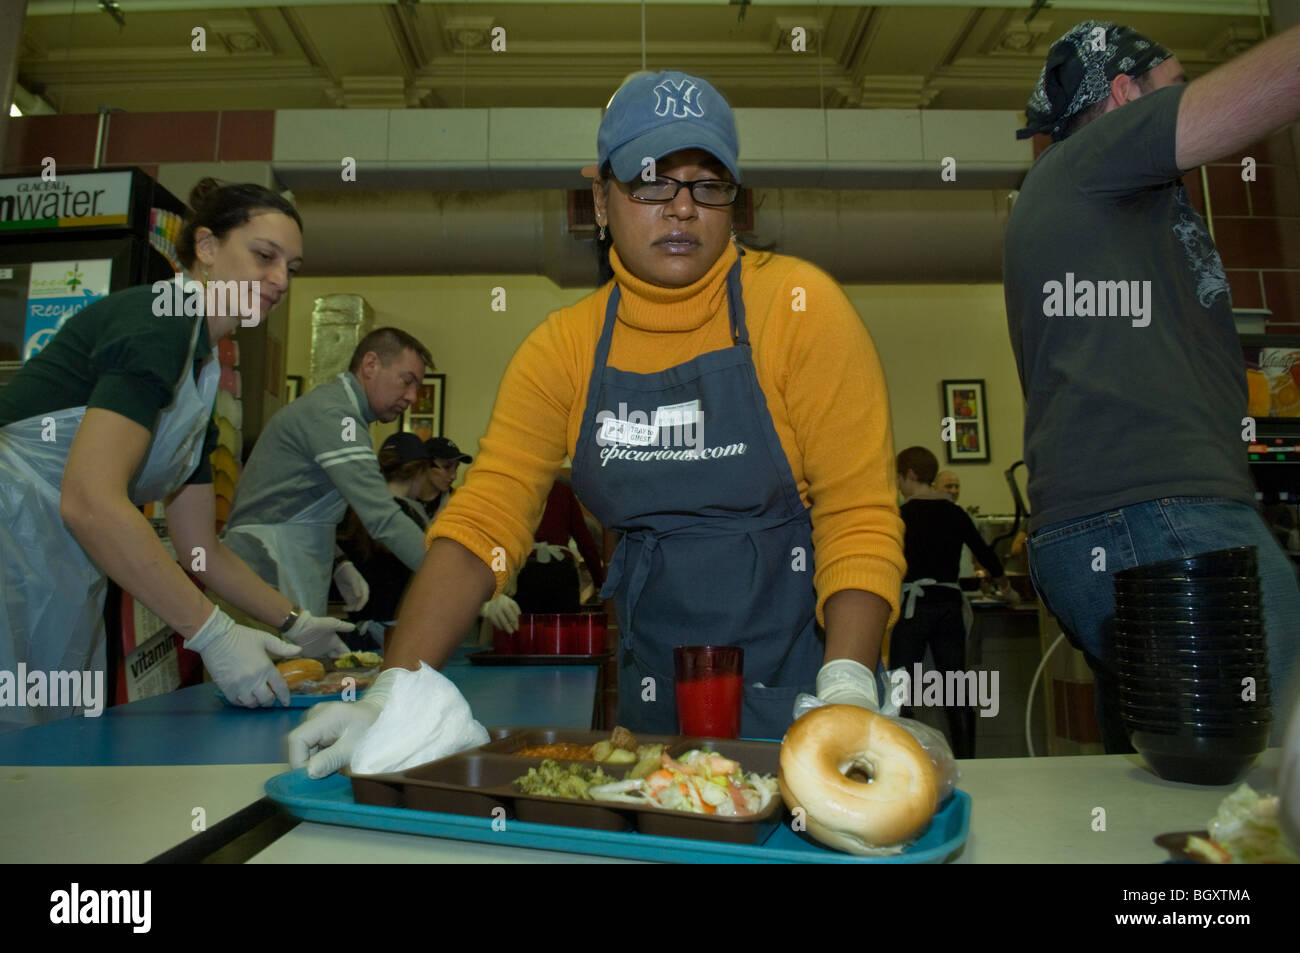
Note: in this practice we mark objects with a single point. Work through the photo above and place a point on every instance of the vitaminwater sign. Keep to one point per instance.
(68, 201)
(58, 290)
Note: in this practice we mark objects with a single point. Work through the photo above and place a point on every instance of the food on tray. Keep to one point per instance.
(649, 758)
(701, 782)
(552, 779)
(335, 682)
(872, 816)
(620, 748)
(299, 670)
(1245, 831)
(359, 660)
(562, 751)
(307, 676)
(604, 751)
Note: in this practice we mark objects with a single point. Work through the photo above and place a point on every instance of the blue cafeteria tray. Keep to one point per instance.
(329, 801)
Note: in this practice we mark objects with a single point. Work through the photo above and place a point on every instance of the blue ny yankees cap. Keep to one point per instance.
(655, 114)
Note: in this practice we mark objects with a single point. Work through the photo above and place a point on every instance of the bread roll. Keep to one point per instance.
(299, 670)
(856, 816)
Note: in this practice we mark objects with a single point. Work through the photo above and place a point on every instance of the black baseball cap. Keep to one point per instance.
(440, 448)
(408, 447)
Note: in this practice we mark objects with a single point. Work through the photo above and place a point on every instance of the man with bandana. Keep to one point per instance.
(1122, 328)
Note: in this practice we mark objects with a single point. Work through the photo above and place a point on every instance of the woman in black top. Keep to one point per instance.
(933, 606)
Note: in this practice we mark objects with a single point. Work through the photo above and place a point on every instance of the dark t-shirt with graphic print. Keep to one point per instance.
(1134, 391)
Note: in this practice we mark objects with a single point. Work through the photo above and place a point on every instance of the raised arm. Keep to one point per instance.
(1242, 101)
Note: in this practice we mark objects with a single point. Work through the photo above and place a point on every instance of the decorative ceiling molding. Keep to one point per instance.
(395, 55)
(238, 34)
(370, 92)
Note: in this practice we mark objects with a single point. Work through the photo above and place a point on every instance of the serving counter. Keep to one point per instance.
(129, 786)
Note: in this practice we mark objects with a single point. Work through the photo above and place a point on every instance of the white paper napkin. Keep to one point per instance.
(425, 718)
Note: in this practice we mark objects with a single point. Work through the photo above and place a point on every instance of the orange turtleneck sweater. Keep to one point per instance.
(817, 368)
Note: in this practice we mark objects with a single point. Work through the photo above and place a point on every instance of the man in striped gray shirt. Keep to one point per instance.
(314, 460)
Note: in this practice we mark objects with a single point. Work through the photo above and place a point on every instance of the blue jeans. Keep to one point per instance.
(1061, 557)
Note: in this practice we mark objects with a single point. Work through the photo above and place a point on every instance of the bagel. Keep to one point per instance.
(856, 816)
(299, 670)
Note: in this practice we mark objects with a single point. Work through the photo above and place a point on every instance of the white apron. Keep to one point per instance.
(916, 588)
(52, 614)
(301, 549)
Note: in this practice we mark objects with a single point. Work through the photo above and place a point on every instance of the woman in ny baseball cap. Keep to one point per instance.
(724, 411)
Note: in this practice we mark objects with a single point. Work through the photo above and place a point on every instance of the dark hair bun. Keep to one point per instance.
(201, 191)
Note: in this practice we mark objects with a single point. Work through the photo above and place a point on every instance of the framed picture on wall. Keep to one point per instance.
(965, 423)
(424, 417)
(292, 387)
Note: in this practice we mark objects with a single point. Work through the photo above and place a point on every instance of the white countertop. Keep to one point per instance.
(1024, 810)
(1041, 810)
(99, 815)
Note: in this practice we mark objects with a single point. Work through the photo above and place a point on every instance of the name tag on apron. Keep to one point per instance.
(626, 432)
(685, 414)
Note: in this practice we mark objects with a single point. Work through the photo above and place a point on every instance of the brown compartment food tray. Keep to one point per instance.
(479, 781)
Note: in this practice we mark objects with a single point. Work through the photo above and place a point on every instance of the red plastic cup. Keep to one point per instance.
(584, 633)
(710, 684)
(594, 633)
(523, 636)
(570, 628)
(505, 643)
(548, 633)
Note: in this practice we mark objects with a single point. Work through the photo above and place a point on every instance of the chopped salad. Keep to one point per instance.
(700, 782)
(1245, 831)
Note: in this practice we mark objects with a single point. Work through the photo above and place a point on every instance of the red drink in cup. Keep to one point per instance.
(548, 633)
(710, 683)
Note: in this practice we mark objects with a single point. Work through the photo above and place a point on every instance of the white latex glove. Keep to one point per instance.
(239, 659)
(352, 586)
(318, 635)
(545, 552)
(846, 682)
(332, 729)
(502, 612)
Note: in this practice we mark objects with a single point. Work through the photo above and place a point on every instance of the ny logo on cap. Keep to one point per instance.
(680, 99)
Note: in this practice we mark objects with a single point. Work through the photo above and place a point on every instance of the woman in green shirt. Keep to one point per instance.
(115, 412)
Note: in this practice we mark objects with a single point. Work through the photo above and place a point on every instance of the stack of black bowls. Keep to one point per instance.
(1192, 664)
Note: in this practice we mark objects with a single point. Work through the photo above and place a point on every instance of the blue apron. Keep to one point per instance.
(714, 549)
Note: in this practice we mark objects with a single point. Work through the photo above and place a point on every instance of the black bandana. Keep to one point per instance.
(1078, 74)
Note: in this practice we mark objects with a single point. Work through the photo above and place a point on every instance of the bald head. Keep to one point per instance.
(947, 482)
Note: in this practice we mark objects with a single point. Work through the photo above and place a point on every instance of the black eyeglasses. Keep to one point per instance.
(713, 192)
